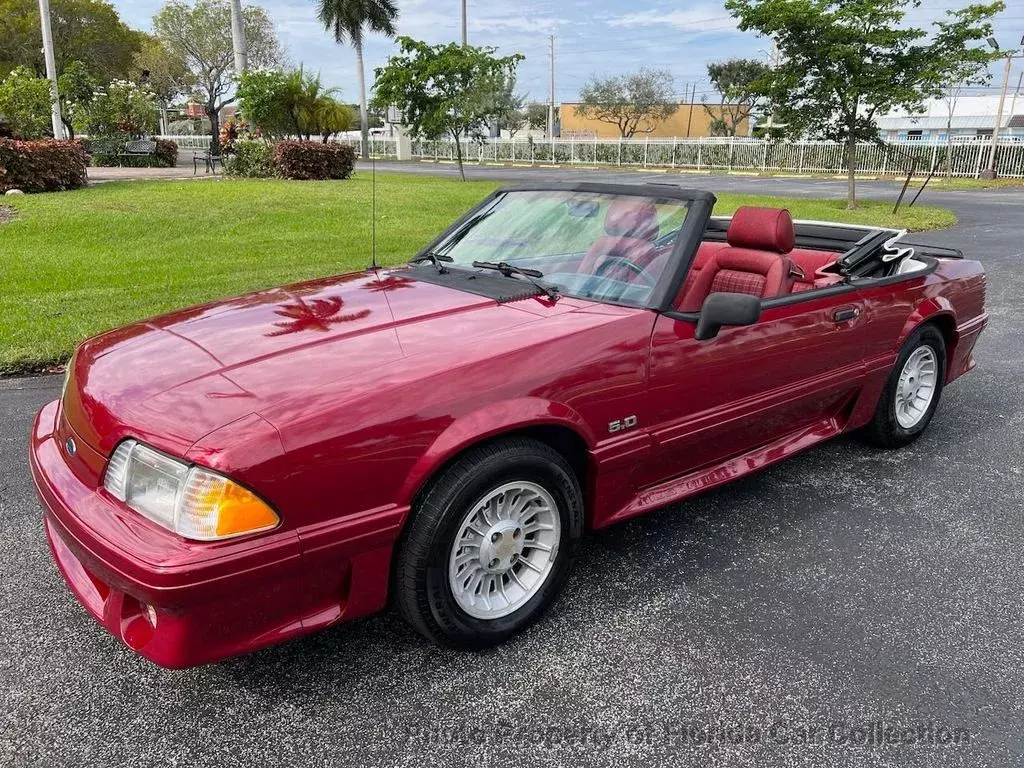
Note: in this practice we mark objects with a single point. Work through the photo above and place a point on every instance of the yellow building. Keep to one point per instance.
(689, 120)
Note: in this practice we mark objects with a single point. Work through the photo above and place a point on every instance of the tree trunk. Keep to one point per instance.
(458, 154)
(214, 115)
(68, 129)
(364, 120)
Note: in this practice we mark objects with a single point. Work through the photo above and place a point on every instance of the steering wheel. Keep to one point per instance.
(636, 269)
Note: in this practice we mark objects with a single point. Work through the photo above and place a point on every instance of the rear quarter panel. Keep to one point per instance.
(952, 296)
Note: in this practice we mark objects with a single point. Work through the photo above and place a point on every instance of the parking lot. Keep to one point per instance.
(849, 607)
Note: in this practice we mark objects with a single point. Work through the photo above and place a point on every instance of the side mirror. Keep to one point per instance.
(721, 309)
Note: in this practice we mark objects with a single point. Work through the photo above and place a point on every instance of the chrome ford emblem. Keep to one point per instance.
(70, 447)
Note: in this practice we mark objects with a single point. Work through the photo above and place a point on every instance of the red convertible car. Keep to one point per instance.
(439, 436)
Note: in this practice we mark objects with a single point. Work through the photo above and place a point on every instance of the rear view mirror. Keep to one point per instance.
(722, 309)
(583, 209)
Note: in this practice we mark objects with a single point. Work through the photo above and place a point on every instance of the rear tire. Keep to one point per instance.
(912, 391)
(489, 545)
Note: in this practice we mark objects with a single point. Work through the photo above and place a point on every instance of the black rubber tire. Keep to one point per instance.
(884, 430)
(420, 585)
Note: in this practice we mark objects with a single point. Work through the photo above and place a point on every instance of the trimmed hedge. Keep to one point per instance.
(104, 152)
(41, 166)
(252, 159)
(307, 160)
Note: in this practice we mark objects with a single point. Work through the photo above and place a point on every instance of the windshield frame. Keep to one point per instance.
(699, 205)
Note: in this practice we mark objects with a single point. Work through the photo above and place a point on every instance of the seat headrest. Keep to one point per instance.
(632, 218)
(762, 229)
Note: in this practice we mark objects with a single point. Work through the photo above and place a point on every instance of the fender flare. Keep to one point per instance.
(929, 309)
(484, 423)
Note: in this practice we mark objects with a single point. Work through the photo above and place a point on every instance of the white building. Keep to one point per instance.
(972, 116)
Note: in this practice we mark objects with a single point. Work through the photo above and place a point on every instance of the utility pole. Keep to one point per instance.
(238, 37)
(465, 37)
(689, 117)
(51, 70)
(990, 170)
(551, 104)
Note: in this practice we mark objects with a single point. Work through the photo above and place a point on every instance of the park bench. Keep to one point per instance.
(137, 148)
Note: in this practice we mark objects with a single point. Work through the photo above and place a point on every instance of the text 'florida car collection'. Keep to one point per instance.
(439, 436)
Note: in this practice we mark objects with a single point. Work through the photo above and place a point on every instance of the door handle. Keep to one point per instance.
(845, 315)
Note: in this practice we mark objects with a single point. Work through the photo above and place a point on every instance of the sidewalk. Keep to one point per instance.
(184, 170)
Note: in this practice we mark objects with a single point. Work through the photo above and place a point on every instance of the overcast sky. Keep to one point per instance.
(600, 37)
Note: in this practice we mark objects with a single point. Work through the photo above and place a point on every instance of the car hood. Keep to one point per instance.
(175, 378)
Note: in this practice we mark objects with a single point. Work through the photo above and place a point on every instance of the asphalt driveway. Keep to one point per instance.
(850, 607)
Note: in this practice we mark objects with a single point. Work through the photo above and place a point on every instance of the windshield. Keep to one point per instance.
(590, 245)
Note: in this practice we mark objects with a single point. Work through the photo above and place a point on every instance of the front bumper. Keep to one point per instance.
(212, 600)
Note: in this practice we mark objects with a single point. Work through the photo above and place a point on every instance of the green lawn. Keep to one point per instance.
(76, 263)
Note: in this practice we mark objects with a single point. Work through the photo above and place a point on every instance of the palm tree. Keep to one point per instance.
(346, 20)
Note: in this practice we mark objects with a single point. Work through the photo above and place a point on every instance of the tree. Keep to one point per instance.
(169, 77)
(122, 109)
(634, 102)
(282, 103)
(347, 20)
(25, 103)
(963, 27)
(537, 116)
(329, 117)
(735, 81)
(89, 31)
(510, 108)
(264, 102)
(444, 89)
(76, 87)
(843, 61)
(200, 35)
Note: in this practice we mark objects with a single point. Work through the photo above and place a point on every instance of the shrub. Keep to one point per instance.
(167, 153)
(307, 160)
(252, 159)
(25, 103)
(41, 166)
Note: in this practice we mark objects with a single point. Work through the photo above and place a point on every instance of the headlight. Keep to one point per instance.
(191, 501)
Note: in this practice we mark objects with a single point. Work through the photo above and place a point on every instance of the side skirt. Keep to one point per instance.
(684, 487)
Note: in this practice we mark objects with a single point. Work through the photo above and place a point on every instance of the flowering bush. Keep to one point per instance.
(123, 108)
(25, 103)
(251, 159)
(41, 166)
(308, 160)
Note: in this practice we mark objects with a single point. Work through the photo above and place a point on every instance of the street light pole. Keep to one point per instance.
(465, 37)
(51, 70)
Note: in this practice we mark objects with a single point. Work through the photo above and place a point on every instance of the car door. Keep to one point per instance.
(801, 363)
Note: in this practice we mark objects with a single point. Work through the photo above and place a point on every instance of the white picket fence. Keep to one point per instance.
(966, 158)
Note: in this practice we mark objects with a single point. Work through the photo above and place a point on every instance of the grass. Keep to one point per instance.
(76, 263)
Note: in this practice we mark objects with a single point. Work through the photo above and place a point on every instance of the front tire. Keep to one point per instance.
(912, 391)
(489, 545)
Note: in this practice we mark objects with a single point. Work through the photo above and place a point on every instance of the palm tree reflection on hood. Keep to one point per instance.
(314, 315)
(389, 283)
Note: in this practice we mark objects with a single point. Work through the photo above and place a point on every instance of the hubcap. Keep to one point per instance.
(504, 550)
(916, 388)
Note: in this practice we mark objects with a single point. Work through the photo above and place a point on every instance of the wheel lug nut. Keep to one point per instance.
(495, 536)
(517, 533)
(493, 563)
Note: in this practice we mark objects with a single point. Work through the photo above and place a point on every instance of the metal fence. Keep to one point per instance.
(380, 146)
(963, 159)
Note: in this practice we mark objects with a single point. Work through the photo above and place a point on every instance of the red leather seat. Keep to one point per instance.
(631, 227)
(753, 262)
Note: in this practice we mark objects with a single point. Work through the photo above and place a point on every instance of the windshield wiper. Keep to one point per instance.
(435, 259)
(530, 274)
